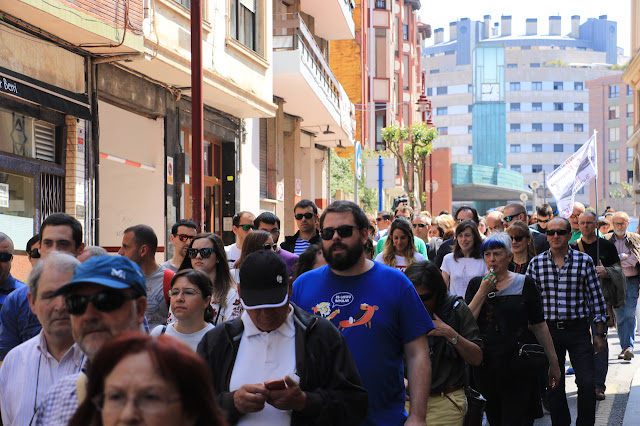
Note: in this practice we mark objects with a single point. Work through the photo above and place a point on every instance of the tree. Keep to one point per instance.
(422, 137)
(342, 176)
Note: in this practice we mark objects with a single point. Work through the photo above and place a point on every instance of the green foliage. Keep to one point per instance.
(342, 175)
(625, 191)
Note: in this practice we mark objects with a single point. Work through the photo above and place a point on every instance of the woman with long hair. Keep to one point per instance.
(466, 261)
(190, 297)
(399, 249)
(166, 381)
(522, 244)
(206, 253)
(254, 241)
(311, 258)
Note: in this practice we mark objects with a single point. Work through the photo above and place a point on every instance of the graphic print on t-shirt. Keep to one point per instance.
(329, 310)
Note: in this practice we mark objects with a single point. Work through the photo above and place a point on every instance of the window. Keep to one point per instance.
(381, 4)
(614, 91)
(580, 191)
(430, 91)
(557, 85)
(443, 131)
(243, 23)
(558, 106)
(536, 127)
(558, 147)
(614, 134)
(555, 166)
(536, 147)
(578, 85)
(534, 64)
(630, 176)
(613, 155)
(578, 127)
(434, 71)
(614, 177)
(536, 106)
(512, 65)
(516, 168)
(469, 109)
(514, 106)
(629, 90)
(614, 112)
(578, 106)
(576, 146)
(630, 110)
(558, 127)
(629, 131)
(469, 128)
(514, 148)
(470, 149)
(629, 155)
(405, 32)
(536, 168)
(442, 90)
(515, 86)
(381, 122)
(441, 111)
(515, 127)
(536, 85)
(406, 76)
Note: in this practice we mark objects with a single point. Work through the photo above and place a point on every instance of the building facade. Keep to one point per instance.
(632, 78)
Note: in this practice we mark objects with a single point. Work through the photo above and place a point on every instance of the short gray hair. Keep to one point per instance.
(61, 262)
(424, 216)
(95, 251)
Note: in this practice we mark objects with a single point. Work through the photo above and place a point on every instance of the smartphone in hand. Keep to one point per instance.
(277, 384)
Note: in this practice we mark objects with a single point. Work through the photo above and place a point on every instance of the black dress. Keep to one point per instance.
(512, 394)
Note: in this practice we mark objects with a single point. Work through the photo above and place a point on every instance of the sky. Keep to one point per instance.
(438, 14)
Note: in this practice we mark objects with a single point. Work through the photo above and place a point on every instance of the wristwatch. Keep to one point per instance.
(454, 341)
(603, 335)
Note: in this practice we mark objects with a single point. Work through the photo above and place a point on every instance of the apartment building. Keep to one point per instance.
(632, 78)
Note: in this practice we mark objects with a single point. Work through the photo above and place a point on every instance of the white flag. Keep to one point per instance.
(572, 174)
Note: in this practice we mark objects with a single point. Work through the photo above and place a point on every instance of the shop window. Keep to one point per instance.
(27, 137)
(18, 207)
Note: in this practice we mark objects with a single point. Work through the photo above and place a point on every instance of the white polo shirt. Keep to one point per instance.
(262, 357)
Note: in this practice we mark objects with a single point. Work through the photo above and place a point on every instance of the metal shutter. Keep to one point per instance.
(45, 138)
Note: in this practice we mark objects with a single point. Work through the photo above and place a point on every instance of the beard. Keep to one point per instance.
(342, 261)
(621, 233)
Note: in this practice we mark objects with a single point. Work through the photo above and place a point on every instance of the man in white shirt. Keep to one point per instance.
(242, 225)
(32, 367)
(278, 364)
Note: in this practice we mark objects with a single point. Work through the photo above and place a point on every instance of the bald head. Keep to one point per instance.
(620, 222)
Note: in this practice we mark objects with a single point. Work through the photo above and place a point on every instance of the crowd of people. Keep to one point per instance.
(382, 319)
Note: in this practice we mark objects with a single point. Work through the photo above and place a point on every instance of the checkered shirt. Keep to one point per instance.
(573, 291)
(60, 404)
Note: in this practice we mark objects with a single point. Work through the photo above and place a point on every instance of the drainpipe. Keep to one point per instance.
(197, 112)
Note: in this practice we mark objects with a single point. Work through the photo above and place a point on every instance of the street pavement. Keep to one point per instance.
(622, 405)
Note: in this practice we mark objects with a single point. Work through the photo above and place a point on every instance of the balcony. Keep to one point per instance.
(303, 78)
(333, 18)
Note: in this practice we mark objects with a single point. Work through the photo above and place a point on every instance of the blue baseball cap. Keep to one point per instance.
(117, 272)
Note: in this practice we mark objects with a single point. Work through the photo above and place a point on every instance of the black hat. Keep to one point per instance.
(264, 280)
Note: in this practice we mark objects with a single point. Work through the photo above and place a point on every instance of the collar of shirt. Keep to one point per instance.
(74, 351)
(286, 328)
(9, 285)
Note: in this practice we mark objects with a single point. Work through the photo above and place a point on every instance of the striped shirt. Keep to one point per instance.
(301, 246)
(27, 373)
(571, 292)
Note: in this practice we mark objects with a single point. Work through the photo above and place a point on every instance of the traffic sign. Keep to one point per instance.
(388, 173)
(358, 151)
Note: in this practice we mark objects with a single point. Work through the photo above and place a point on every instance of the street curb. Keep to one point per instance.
(632, 412)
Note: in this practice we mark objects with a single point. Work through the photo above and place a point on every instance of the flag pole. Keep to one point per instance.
(595, 141)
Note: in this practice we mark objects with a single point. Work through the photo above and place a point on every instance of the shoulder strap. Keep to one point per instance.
(166, 284)
(164, 329)
(580, 245)
(81, 387)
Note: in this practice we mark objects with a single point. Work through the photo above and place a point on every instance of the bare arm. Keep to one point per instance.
(419, 373)
(446, 278)
(541, 330)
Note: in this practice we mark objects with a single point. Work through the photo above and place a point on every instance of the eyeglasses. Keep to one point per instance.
(184, 237)
(204, 253)
(426, 297)
(187, 292)
(270, 247)
(574, 216)
(307, 216)
(5, 257)
(148, 402)
(560, 232)
(518, 238)
(105, 301)
(513, 216)
(543, 220)
(403, 217)
(421, 225)
(619, 223)
(246, 227)
(34, 254)
(344, 231)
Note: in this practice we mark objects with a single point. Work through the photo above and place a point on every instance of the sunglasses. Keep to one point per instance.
(270, 247)
(246, 227)
(299, 216)
(574, 216)
(105, 301)
(560, 232)
(184, 237)
(344, 231)
(513, 216)
(426, 297)
(518, 238)
(35, 253)
(543, 221)
(5, 257)
(204, 253)
(421, 225)
(379, 219)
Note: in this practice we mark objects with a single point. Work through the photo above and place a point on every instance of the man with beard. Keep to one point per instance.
(378, 311)
(628, 247)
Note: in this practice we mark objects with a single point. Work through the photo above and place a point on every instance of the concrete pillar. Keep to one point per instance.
(486, 31)
(291, 170)
(531, 26)
(505, 23)
(555, 25)
(453, 31)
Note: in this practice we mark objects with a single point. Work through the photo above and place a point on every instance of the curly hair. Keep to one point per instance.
(389, 254)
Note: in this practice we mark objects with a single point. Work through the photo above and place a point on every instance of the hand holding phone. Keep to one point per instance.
(276, 384)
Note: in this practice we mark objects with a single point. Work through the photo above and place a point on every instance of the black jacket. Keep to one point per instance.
(289, 243)
(328, 375)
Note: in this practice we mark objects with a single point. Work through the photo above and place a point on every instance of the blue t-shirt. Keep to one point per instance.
(378, 312)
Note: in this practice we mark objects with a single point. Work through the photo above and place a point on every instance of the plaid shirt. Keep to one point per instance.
(60, 403)
(573, 292)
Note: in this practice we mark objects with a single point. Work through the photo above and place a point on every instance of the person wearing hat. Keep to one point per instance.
(277, 364)
(106, 296)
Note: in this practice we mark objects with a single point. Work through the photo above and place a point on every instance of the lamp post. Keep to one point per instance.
(424, 106)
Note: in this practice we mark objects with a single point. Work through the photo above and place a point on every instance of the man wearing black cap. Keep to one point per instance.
(277, 364)
(106, 296)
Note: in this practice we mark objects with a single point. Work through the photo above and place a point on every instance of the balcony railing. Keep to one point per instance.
(291, 33)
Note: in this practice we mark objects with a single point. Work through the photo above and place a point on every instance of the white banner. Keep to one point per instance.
(572, 174)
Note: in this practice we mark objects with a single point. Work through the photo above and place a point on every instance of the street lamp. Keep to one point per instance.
(424, 106)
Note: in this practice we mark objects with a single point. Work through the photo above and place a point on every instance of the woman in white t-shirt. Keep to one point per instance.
(466, 261)
(190, 297)
(399, 249)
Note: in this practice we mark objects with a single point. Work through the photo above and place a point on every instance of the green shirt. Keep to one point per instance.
(419, 243)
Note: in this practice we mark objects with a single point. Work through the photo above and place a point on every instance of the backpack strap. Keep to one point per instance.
(166, 284)
(81, 387)
(164, 329)
(580, 245)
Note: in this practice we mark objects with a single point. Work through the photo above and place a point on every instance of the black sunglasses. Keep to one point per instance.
(35, 253)
(518, 238)
(421, 225)
(205, 253)
(543, 221)
(426, 297)
(378, 219)
(270, 247)
(105, 301)
(299, 216)
(513, 216)
(5, 257)
(344, 231)
(560, 232)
